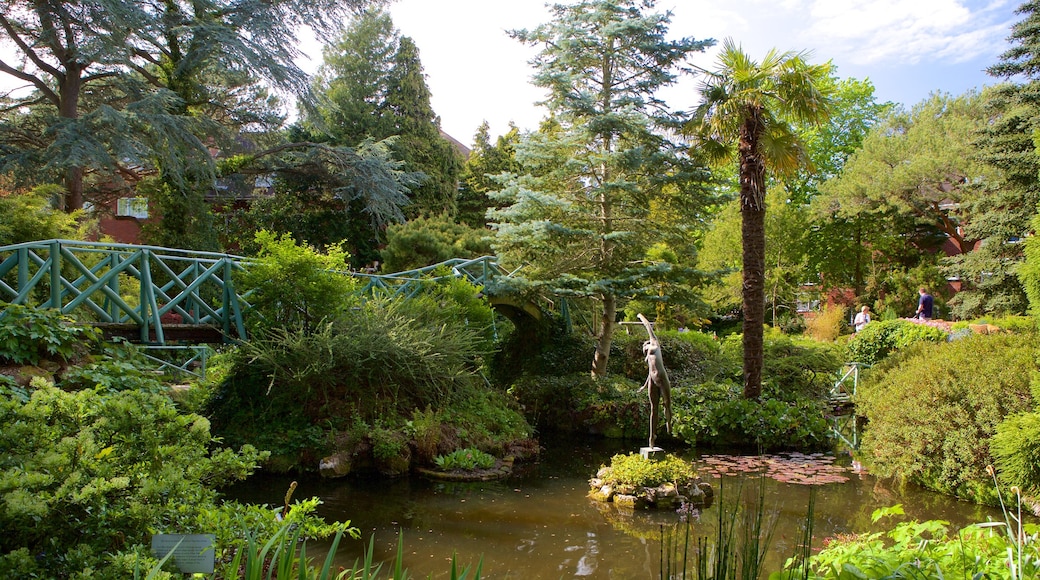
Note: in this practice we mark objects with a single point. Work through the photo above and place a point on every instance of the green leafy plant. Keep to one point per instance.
(636, 470)
(295, 287)
(933, 411)
(880, 338)
(464, 459)
(927, 550)
(87, 472)
(29, 335)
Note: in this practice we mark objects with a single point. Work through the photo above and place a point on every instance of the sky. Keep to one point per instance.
(907, 48)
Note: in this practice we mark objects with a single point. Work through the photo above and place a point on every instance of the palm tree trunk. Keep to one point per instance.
(753, 237)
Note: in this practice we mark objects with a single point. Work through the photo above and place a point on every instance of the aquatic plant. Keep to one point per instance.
(928, 550)
(466, 459)
(741, 539)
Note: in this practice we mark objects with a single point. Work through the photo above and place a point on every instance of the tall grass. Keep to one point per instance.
(741, 540)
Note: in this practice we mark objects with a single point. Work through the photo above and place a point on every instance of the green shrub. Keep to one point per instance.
(429, 240)
(85, 473)
(465, 459)
(612, 406)
(119, 367)
(878, 339)
(717, 415)
(1016, 451)
(29, 335)
(295, 287)
(924, 550)
(292, 390)
(933, 410)
(636, 470)
(688, 356)
(30, 216)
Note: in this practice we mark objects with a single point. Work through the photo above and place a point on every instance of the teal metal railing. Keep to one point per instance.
(152, 288)
(119, 284)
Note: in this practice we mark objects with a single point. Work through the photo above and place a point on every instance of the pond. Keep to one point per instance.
(540, 524)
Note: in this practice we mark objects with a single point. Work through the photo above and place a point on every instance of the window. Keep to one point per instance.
(135, 207)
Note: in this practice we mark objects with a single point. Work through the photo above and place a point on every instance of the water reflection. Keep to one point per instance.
(539, 523)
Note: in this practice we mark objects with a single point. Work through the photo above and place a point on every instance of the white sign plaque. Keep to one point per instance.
(192, 553)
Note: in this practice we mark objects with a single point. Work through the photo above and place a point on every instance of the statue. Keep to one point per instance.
(657, 384)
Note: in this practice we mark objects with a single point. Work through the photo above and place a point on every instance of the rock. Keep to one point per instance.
(665, 496)
(334, 466)
(603, 473)
(630, 501)
(705, 487)
(595, 482)
(605, 493)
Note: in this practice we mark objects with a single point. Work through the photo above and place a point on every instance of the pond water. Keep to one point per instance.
(540, 524)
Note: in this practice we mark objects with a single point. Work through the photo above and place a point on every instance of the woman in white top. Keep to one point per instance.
(862, 318)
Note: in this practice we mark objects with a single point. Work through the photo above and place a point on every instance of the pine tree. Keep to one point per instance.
(1001, 213)
(578, 214)
(486, 160)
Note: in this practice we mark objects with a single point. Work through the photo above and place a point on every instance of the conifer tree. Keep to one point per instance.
(1000, 214)
(577, 216)
(106, 104)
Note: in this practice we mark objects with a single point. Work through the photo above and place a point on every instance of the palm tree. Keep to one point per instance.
(751, 106)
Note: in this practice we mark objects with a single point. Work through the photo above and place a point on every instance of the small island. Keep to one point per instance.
(636, 482)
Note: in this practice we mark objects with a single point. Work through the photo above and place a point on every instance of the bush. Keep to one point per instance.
(717, 415)
(85, 474)
(1016, 451)
(878, 339)
(429, 240)
(924, 550)
(826, 326)
(635, 470)
(931, 416)
(295, 287)
(612, 406)
(292, 391)
(29, 335)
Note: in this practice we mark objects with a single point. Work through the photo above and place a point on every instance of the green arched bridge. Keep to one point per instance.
(154, 295)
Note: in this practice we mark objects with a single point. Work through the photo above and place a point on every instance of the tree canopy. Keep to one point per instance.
(577, 215)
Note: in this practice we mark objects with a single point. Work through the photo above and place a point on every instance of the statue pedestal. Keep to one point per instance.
(651, 452)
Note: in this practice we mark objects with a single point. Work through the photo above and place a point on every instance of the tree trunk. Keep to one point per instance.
(606, 335)
(68, 108)
(753, 238)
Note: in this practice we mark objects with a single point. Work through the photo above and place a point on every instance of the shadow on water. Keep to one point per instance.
(540, 524)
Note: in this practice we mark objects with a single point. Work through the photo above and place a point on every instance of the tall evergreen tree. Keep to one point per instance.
(577, 217)
(374, 88)
(74, 54)
(1000, 214)
(746, 114)
(485, 161)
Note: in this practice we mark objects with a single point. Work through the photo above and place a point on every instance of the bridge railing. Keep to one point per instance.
(479, 271)
(150, 292)
(146, 287)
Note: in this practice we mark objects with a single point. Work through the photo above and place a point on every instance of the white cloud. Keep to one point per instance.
(900, 32)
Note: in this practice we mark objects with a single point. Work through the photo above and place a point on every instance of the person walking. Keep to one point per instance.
(924, 305)
(862, 318)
